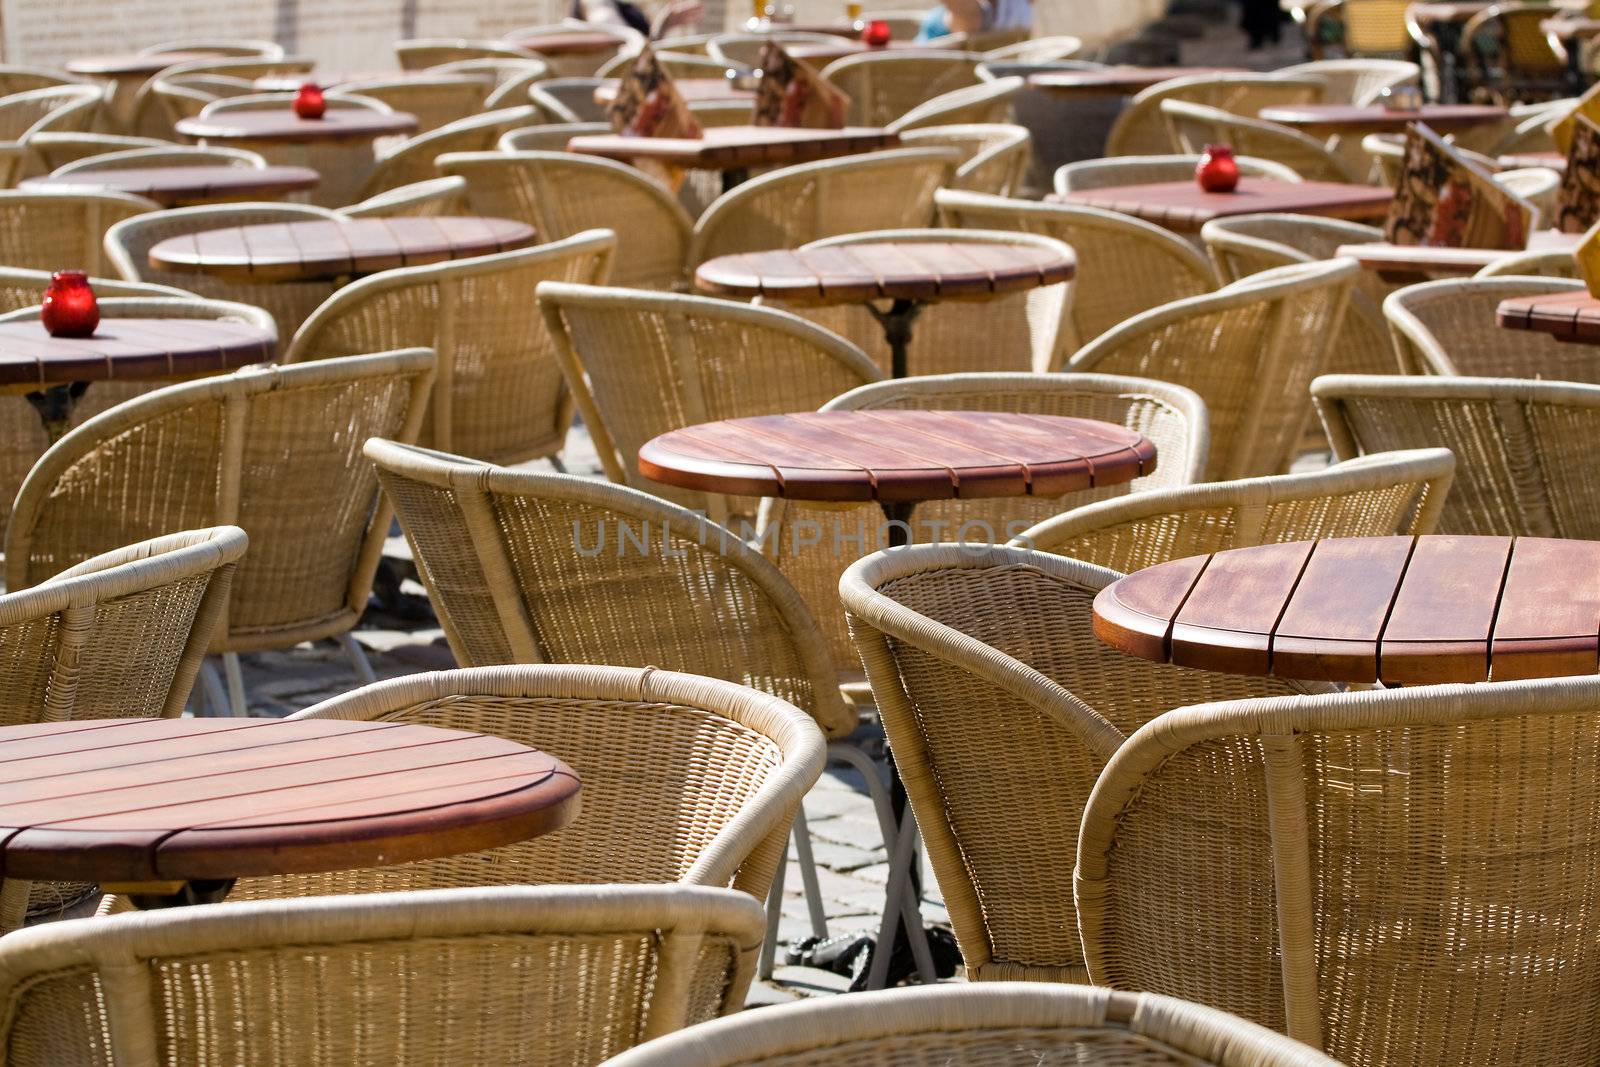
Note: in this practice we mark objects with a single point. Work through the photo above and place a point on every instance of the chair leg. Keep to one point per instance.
(216, 694)
(237, 705)
(769, 944)
(358, 658)
(555, 461)
(808, 874)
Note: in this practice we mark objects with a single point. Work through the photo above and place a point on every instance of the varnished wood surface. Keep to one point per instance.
(150, 800)
(1426, 259)
(1115, 80)
(897, 455)
(1323, 120)
(1401, 610)
(1566, 316)
(295, 251)
(907, 270)
(177, 186)
(129, 350)
(282, 124)
(1185, 207)
(738, 147)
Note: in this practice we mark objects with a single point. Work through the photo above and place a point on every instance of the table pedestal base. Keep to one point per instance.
(897, 323)
(55, 405)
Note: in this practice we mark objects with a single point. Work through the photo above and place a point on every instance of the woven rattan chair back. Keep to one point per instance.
(1125, 265)
(151, 116)
(431, 198)
(579, 64)
(1381, 495)
(120, 636)
(1054, 49)
(230, 47)
(994, 156)
(883, 86)
(345, 163)
(1560, 264)
(1356, 81)
(568, 100)
(1250, 350)
(56, 231)
(548, 137)
(1299, 834)
(58, 109)
(499, 393)
(1172, 417)
(174, 156)
(986, 102)
(1249, 244)
(981, 658)
(1439, 329)
(414, 159)
(510, 79)
(47, 152)
(1195, 125)
(685, 779)
(435, 99)
(792, 206)
(549, 976)
(1020, 331)
(744, 49)
(676, 65)
(1525, 446)
(997, 1024)
(640, 364)
(274, 450)
(561, 194)
(526, 567)
(424, 53)
(184, 96)
(19, 79)
(128, 244)
(1143, 170)
(1141, 129)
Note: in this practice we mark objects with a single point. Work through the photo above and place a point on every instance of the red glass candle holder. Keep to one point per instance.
(1217, 171)
(309, 102)
(876, 34)
(69, 308)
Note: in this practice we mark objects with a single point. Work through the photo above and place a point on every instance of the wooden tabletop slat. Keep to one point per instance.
(1137, 616)
(1571, 316)
(157, 800)
(128, 350)
(1326, 119)
(1227, 621)
(178, 186)
(737, 147)
(282, 124)
(1444, 613)
(1549, 614)
(1339, 608)
(1185, 207)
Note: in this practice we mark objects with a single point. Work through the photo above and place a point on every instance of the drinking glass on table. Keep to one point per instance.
(852, 12)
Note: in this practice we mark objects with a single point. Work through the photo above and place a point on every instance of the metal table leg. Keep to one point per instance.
(897, 323)
(54, 405)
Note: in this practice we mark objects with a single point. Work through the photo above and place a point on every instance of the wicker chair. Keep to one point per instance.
(59, 109)
(434, 197)
(640, 364)
(166, 156)
(735, 50)
(548, 137)
(1125, 265)
(568, 100)
(1367, 28)
(1195, 125)
(791, 206)
(1439, 328)
(184, 96)
(985, 657)
(236, 47)
(345, 163)
(1356, 81)
(47, 152)
(1527, 444)
(1172, 417)
(676, 65)
(1037, 50)
(1144, 170)
(1261, 856)
(685, 779)
(272, 449)
(1532, 265)
(52, 231)
(424, 53)
(499, 396)
(883, 86)
(548, 976)
(416, 159)
(1020, 331)
(561, 194)
(994, 156)
(986, 102)
(1012, 1024)
(517, 568)
(71, 641)
(1507, 57)
(128, 244)
(149, 115)
(1249, 349)
(435, 99)
(1384, 494)
(579, 64)
(510, 78)
(1141, 130)
(19, 79)
(1537, 185)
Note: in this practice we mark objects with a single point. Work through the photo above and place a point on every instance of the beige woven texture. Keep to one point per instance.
(509, 78)
(994, 155)
(548, 137)
(1194, 126)
(172, 156)
(66, 648)
(274, 450)
(1525, 448)
(1124, 265)
(539, 975)
(431, 198)
(1374, 496)
(1011, 1024)
(498, 393)
(1001, 707)
(989, 102)
(883, 86)
(59, 109)
(1147, 170)
(1355, 81)
(1250, 350)
(1440, 328)
(415, 159)
(685, 779)
(1396, 876)
(1141, 129)
(561, 194)
(62, 231)
(435, 99)
(1172, 417)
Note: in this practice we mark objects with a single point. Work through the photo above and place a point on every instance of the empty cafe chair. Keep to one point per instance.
(1195, 125)
(58, 230)
(435, 99)
(415, 158)
(1142, 130)
(436, 196)
(985, 102)
(883, 86)
(994, 156)
(1439, 329)
(1150, 170)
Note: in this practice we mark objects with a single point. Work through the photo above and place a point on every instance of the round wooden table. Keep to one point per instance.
(1571, 316)
(733, 150)
(1398, 610)
(281, 124)
(303, 251)
(132, 64)
(909, 274)
(1184, 207)
(53, 372)
(1403, 263)
(1326, 120)
(180, 186)
(172, 811)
